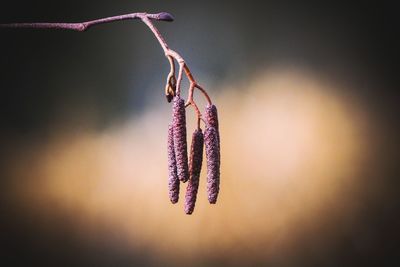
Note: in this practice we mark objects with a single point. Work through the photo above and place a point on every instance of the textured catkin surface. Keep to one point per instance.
(195, 162)
(173, 180)
(179, 134)
(211, 141)
(211, 117)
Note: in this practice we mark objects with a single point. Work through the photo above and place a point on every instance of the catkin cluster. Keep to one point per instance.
(181, 168)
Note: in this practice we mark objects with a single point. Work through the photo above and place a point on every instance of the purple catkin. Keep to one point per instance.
(173, 181)
(179, 133)
(211, 141)
(211, 117)
(195, 162)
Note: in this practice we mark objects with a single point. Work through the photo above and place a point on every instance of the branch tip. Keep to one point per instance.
(165, 16)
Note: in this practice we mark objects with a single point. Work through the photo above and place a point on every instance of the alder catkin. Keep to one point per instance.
(179, 134)
(211, 116)
(211, 141)
(173, 180)
(195, 162)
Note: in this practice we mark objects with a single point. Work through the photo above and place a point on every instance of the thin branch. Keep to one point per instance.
(204, 93)
(83, 26)
(182, 67)
(173, 85)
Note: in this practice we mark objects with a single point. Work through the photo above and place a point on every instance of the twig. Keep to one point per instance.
(173, 86)
(182, 67)
(83, 26)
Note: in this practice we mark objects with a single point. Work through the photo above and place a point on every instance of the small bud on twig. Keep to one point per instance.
(164, 16)
(195, 162)
(213, 163)
(179, 133)
(173, 181)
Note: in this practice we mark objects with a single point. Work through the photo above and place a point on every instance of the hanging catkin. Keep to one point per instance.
(179, 134)
(213, 163)
(173, 180)
(195, 162)
(211, 117)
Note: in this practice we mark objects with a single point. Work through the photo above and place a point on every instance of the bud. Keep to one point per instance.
(164, 16)
(213, 163)
(169, 97)
(173, 181)
(195, 162)
(179, 134)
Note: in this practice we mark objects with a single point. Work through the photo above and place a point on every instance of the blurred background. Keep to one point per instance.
(308, 112)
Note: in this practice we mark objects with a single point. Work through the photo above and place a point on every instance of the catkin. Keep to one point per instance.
(211, 141)
(173, 180)
(213, 152)
(179, 134)
(211, 116)
(195, 162)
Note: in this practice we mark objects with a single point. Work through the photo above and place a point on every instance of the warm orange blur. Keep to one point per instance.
(292, 151)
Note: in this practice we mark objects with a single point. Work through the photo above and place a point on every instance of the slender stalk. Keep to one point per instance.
(172, 83)
(83, 26)
(182, 66)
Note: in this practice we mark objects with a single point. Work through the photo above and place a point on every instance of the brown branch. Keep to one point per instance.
(83, 26)
(173, 86)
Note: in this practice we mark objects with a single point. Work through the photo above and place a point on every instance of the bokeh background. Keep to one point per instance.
(308, 106)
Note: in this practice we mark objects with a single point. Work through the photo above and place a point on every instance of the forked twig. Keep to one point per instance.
(173, 86)
(177, 144)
